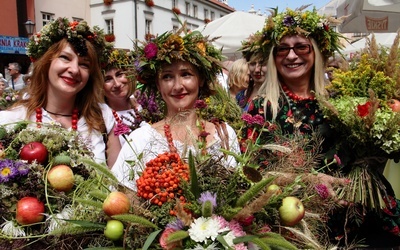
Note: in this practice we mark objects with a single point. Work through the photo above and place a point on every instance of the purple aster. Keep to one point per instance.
(176, 225)
(288, 21)
(22, 168)
(322, 191)
(150, 51)
(7, 170)
(208, 196)
(121, 129)
(200, 104)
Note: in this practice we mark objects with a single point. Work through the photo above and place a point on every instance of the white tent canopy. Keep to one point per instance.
(365, 16)
(232, 30)
(384, 39)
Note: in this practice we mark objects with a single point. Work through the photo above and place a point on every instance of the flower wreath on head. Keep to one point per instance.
(75, 32)
(191, 47)
(294, 22)
(115, 58)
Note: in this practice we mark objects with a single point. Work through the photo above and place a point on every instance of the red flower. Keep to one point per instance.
(176, 10)
(363, 110)
(150, 51)
(73, 24)
(326, 27)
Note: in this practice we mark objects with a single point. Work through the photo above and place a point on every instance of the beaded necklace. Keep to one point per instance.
(74, 118)
(303, 108)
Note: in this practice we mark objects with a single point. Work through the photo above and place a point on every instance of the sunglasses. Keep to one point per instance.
(299, 49)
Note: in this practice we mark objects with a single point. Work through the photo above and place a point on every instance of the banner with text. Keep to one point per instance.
(13, 45)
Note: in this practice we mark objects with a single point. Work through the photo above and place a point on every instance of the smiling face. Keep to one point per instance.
(295, 67)
(116, 85)
(258, 68)
(68, 73)
(178, 84)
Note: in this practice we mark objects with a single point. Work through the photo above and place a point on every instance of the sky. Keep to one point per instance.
(262, 5)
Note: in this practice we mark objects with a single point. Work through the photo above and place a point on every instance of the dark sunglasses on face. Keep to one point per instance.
(299, 49)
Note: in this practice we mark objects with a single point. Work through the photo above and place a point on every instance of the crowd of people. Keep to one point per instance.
(83, 84)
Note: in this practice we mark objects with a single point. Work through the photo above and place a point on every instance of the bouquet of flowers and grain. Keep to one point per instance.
(364, 110)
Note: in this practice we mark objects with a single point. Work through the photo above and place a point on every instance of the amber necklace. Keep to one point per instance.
(74, 117)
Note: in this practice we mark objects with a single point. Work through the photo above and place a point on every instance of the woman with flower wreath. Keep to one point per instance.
(182, 69)
(118, 92)
(257, 64)
(298, 44)
(65, 86)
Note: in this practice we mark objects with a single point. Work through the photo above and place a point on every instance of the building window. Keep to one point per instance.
(174, 3)
(205, 13)
(110, 26)
(77, 19)
(195, 11)
(212, 15)
(46, 18)
(148, 26)
(187, 4)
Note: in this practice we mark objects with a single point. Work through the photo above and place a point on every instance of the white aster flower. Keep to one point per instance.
(213, 246)
(57, 220)
(202, 229)
(11, 229)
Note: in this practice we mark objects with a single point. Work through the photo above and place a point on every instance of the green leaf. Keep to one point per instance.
(194, 185)
(134, 219)
(150, 239)
(83, 223)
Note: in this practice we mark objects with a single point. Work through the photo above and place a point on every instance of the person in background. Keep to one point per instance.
(257, 63)
(182, 81)
(3, 83)
(118, 92)
(66, 80)
(16, 81)
(335, 62)
(222, 77)
(238, 77)
(27, 78)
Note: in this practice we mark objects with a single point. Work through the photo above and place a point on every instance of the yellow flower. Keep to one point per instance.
(202, 48)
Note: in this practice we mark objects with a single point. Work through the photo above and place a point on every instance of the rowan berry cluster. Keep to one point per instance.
(160, 180)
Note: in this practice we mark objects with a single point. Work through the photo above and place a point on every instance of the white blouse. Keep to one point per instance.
(94, 139)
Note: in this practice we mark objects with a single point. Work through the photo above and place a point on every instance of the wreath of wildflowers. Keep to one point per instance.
(191, 47)
(294, 22)
(115, 58)
(75, 32)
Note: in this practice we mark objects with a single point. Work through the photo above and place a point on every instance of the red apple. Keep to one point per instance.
(291, 211)
(34, 151)
(116, 203)
(114, 230)
(29, 210)
(394, 104)
(61, 178)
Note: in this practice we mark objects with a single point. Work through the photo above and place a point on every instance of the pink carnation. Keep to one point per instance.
(121, 129)
(164, 237)
(322, 191)
(150, 51)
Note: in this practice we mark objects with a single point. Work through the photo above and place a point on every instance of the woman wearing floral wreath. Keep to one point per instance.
(257, 64)
(66, 80)
(182, 69)
(298, 44)
(118, 92)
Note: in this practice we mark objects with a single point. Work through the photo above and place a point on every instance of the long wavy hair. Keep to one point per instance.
(271, 88)
(87, 100)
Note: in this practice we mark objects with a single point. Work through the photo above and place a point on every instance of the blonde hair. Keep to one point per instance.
(238, 74)
(271, 87)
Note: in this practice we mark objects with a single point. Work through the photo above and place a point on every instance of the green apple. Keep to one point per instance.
(114, 230)
(274, 188)
(291, 211)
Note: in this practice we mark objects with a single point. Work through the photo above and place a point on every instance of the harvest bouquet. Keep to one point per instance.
(8, 98)
(44, 174)
(363, 109)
